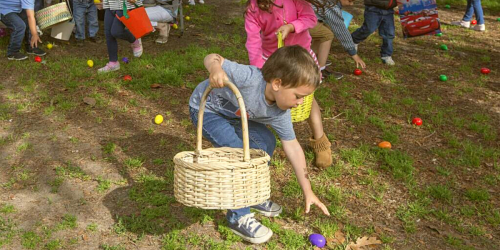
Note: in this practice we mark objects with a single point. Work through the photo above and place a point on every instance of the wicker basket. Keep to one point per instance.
(301, 112)
(52, 15)
(222, 178)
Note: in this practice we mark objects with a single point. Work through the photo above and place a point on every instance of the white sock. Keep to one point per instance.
(322, 68)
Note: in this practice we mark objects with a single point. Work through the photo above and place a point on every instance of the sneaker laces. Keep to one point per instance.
(267, 204)
(248, 221)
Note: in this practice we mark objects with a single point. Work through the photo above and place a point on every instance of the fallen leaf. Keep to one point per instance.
(362, 242)
(89, 101)
(337, 239)
(155, 86)
(150, 66)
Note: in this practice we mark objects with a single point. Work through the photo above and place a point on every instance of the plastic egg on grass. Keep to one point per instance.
(90, 63)
(444, 47)
(417, 121)
(317, 240)
(439, 34)
(127, 78)
(385, 144)
(473, 22)
(175, 26)
(485, 71)
(38, 59)
(49, 46)
(125, 60)
(447, 6)
(443, 78)
(187, 18)
(358, 72)
(158, 119)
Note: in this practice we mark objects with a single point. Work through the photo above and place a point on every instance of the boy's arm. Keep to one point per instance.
(295, 155)
(333, 17)
(213, 63)
(35, 39)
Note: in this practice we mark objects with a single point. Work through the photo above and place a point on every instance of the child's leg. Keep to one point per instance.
(478, 11)
(111, 42)
(92, 21)
(14, 22)
(79, 9)
(387, 32)
(322, 38)
(319, 143)
(118, 29)
(370, 24)
(469, 11)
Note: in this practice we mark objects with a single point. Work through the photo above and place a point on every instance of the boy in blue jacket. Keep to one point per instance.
(378, 14)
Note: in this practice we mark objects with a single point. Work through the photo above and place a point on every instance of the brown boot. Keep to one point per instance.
(322, 151)
(164, 29)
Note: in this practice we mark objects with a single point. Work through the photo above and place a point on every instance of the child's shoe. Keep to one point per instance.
(95, 39)
(191, 2)
(18, 56)
(248, 228)
(80, 42)
(164, 29)
(388, 60)
(322, 151)
(465, 24)
(479, 27)
(137, 47)
(36, 51)
(202, 2)
(111, 66)
(268, 208)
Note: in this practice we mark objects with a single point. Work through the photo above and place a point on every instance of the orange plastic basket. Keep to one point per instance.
(136, 21)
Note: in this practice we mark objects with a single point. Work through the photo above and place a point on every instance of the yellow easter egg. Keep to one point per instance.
(158, 119)
(49, 46)
(90, 63)
(175, 26)
(188, 18)
(97, 1)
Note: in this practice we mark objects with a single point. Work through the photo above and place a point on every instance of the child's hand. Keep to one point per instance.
(312, 199)
(285, 29)
(217, 78)
(359, 61)
(35, 39)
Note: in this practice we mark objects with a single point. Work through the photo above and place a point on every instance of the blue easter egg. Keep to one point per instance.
(317, 240)
(125, 60)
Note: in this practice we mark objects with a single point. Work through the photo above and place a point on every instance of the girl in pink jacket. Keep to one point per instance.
(293, 18)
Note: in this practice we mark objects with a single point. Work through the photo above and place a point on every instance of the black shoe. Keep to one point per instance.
(95, 39)
(328, 63)
(18, 56)
(36, 51)
(337, 75)
(79, 42)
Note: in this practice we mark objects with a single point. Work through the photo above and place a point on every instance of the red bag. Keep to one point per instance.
(136, 21)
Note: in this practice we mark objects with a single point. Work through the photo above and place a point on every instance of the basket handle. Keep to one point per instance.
(244, 119)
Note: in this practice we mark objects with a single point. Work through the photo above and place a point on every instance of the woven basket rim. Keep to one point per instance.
(178, 160)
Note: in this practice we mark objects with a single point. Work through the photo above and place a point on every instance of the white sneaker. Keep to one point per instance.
(479, 27)
(202, 2)
(388, 60)
(191, 2)
(137, 47)
(465, 24)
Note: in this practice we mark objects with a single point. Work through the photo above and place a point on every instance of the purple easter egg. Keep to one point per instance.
(3, 32)
(317, 240)
(125, 60)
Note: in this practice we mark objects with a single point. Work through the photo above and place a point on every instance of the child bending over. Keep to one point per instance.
(286, 78)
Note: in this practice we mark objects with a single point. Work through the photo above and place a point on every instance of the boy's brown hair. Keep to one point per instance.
(293, 65)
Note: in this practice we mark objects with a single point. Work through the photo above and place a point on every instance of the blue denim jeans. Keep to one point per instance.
(18, 23)
(114, 28)
(474, 7)
(381, 19)
(225, 132)
(85, 9)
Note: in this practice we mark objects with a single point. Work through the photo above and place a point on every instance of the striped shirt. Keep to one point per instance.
(118, 4)
(332, 16)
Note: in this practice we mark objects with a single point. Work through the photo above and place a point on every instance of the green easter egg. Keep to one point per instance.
(443, 78)
(444, 47)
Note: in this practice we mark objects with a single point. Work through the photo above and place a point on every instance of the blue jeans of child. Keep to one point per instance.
(18, 23)
(381, 19)
(85, 9)
(114, 28)
(225, 132)
(474, 7)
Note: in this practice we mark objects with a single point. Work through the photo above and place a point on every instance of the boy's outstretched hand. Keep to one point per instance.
(359, 61)
(217, 78)
(312, 199)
